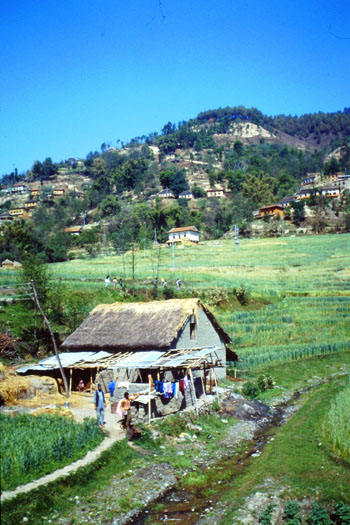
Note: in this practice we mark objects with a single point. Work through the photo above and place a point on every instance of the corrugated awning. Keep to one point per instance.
(151, 359)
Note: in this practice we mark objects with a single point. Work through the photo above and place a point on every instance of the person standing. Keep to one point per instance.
(123, 409)
(107, 281)
(114, 282)
(111, 387)
(100, 404)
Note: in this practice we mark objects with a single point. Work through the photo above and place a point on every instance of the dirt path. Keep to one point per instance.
(113, 434)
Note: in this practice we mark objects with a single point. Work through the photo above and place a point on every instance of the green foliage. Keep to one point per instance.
(318, 515)
(292, 513)
(265, 382)
(250, 390)
(242, 294)
(32, 446)
(336, 427)
(341, 513)
(266, 516)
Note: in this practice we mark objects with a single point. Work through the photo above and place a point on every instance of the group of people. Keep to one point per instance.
(114, 282)
(123, 407)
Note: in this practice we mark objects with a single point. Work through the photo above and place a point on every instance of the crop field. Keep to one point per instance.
(46, 443)
(294, 328)
(336, 428)
(312, 264)
(305, 279)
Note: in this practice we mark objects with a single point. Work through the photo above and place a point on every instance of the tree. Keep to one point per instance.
(298, 208)
(258, 188)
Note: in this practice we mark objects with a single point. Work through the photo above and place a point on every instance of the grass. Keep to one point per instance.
(297, 459)
(336, 427)
(46, 443)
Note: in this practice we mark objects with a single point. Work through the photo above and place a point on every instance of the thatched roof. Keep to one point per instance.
(124, 326)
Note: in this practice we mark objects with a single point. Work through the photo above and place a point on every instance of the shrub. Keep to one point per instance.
(242, 295)
(265, 382)
(318, 515)
(341, 513)
(265, 517)
(292, 514)
(250, 390)
(169, 293)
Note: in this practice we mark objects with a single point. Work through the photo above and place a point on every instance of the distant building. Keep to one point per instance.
(4, 217)
(287, 201)
(309, 180)
(30, 205)
(303, 194)
(58, 192)
(216, 192)
(273, 210)
(186, 233)
(330, 191)
(188, 195)
(35, 192)
(20, 187)
(166, 194)
(344, 182)
(17, 212)
(74, 230)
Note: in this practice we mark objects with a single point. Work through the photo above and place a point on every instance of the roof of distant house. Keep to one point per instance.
(184, 229)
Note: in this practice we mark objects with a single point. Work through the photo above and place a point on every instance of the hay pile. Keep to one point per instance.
(29, 390)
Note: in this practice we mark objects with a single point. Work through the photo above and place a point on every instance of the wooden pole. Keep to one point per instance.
(216, 386)
(149, 398)
(90, 380)
(194, 390)
(52, 337)
(210, 381)
(70, 380)
(203, 384)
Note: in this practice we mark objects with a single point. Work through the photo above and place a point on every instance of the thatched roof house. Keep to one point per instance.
(137, 326)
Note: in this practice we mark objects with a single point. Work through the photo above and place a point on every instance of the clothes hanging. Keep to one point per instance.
(168, 390)
(159, 386)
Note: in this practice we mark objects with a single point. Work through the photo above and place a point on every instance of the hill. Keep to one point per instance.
(239, 156)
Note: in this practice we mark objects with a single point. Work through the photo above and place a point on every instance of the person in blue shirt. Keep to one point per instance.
(100, 403)
(111, 387)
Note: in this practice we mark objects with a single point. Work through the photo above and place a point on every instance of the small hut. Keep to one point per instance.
(170, 352)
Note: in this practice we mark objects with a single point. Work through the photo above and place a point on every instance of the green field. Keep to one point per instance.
(314, 264)
(299, 289)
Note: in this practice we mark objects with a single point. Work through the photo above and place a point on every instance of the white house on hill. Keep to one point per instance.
(186, 233)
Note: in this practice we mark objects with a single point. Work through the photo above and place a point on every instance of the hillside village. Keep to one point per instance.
(213, 173)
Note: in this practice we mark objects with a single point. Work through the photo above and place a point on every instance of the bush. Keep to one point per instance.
(265, 383)
(265, 517)
(341, 513)
(292, 514)
(250, 390)
(242, 295)
(318, 515)
(169, 293)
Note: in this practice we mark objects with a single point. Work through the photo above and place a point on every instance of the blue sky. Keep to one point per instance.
(78, 73)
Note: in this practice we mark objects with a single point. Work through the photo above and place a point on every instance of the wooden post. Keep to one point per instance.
(70, 380)
(216, 386)
(36, 299)
(210, 380)
(90, 380)
(149, 398)
(194, 390)
(203, 384)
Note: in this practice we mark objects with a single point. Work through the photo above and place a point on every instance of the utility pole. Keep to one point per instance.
(155, 236)
(36, 298)
(236, 237)
(133, 268)
(173, 253)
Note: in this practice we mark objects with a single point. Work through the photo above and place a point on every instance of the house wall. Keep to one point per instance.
(206, 335)
(188, 235)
